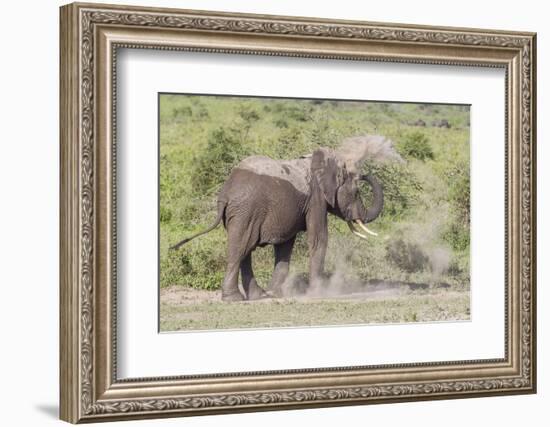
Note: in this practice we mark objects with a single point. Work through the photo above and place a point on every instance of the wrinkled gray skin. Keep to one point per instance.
(268, 202)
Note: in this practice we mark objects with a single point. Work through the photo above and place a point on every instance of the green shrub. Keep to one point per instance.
(416, 145)
(213, 165)
(458, 178)
(286, 146)
(199, 264)
(458, 227)
(165, 214)
(457, 236)
(280, 123)
(400, 185)
(183, 111)
(248, 114)
(299, 113)
(407, 256)
(202, 114)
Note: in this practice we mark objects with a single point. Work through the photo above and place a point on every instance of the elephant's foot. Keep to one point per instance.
(256, 292)
(232, 296)
(276, 292)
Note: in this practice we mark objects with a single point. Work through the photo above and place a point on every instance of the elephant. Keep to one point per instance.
(268, 202)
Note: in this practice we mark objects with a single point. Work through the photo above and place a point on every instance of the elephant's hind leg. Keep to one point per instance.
(230, 288)
(235, 254)
(241, 240)
(283, 251)
(250, 286)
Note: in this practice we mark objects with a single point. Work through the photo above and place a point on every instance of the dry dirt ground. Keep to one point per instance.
(183, 309)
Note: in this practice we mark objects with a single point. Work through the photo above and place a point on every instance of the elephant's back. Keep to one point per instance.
(296, 171)
(260, 198)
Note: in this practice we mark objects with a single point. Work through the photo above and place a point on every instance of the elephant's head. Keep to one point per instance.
(338, 178)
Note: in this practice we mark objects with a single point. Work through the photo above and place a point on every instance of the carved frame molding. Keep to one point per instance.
(90, 36)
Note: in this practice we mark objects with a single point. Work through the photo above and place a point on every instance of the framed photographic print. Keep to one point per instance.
(266, 212)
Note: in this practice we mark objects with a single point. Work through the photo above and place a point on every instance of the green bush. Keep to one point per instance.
(183, 111)
(400, 184)
(416, 145)
(280, 123)
(457, 236)
(248, 114)
(287, 143)
(165, 214)
(301, 113)
(458, 227)
(213, 165)
(458, 178)
(199, 264)
(407, 256)
(202, 114)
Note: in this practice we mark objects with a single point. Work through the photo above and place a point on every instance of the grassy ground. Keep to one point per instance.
(188, 309)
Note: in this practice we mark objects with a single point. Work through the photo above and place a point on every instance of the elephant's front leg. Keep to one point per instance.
(317, 251)
(317, 238)
(283, 252)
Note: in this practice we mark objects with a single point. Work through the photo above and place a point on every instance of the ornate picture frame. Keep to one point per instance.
(90, 37)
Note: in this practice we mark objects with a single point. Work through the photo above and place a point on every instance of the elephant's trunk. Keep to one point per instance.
(377, 198)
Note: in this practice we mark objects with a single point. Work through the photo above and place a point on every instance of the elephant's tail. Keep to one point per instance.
(221, 210)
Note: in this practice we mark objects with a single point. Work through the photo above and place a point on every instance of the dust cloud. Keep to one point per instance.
(355, 150)
(343, 281)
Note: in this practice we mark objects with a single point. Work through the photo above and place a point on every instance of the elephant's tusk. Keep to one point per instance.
(354, 231)
(364, 228)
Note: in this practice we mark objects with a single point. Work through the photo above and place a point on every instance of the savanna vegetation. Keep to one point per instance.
(424, 229)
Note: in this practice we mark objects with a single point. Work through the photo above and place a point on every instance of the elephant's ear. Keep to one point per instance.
(326, 171)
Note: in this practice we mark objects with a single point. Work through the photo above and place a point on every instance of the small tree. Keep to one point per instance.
(417, 146)
(223, 151)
